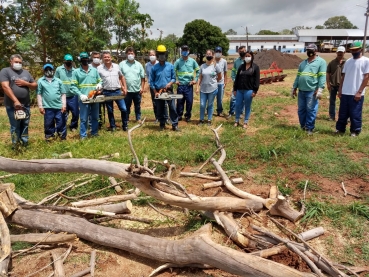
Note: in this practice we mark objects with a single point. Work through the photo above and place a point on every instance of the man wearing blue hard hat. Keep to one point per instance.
(51, 102)
(64, 73)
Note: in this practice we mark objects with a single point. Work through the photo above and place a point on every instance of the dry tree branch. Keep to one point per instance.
(217, 139)
(170, 265)
(130, 141)
(157, 210)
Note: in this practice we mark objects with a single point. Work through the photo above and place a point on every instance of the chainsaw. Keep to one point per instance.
(164, 95)
(95, 96)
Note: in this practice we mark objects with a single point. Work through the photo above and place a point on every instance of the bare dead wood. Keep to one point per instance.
(344, 188)
(99, 201)
(311, 234)
(283, 209)
(219, 190)
(4, 267)
(114, 155)
(82, 272)
(121, 216)
(164, 187)
(29, 249)
(65, 155)
(86, 194)
(7, 201)
(45, 238)
(58, 264)
(221, 183)
(130, 141)
(169, 265)
(199, 175)
(349, 193)
(119, 170)
(92, 263)
(219, 145)
(69, 209)
(158, 211)
(66, 254)
(5, 248)
(240, 193)
(200, 245)
(7, 176)
(118, 208)
(306, 183)
(114, 182)
(273, 192)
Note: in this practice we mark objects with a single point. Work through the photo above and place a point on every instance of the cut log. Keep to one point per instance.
(115, 183)
(92, 263)
(98, 201)
(119, 170)
(312, 233)
(273, 193)
(58, 264)
(65, 155)
(283, 209)
(118, 208)
(7, 201)
(45, 238)
(198, 248)
(199, 175)
(221, 183)
(5, 248)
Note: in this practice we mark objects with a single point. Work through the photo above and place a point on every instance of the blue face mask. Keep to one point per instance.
(356, 55)
(185, 53)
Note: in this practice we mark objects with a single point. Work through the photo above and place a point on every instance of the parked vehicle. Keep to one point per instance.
(326, 47)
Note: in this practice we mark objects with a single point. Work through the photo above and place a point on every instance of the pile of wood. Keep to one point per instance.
(198, 250)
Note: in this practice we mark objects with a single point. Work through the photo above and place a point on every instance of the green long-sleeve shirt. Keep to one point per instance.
(311, 75)
(83, 82)
(236, 65)
(184, 70)
(65, 76)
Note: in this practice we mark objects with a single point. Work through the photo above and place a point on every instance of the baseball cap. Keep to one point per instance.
(83, 55)
(341, 49)
(68, 57)
(312, 46)
(356, 45)
(218, 48)
(184, 47)
(48, 65)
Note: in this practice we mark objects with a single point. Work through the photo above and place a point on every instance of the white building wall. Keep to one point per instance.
(283, 46)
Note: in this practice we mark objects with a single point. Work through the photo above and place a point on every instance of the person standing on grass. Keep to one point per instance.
(16, 83)
(64, 73)
(96, 62)
(135, 77)
(222, 63)
(236, 65)
(187, 74)
(310, 81)
(51, 100)
(162, 77)
(114, 84)
(84, 79)
(210, 75)
(245, 87)
(355, 77)
(333, 79)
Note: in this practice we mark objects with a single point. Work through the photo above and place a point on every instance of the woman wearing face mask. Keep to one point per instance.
(210, 75)
(245, 87)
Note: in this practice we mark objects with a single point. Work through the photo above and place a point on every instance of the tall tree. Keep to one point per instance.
(319, 27)
(200, 35)
(338, 22)
(230, 32)
(267, 32)
(286, 32)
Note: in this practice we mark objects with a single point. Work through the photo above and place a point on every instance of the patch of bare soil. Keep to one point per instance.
(291, 259)
(285, 61)
(290, 114)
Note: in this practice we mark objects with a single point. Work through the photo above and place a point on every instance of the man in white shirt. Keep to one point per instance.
(355, 76)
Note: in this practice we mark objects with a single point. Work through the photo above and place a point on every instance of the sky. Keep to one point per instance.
(171, 16)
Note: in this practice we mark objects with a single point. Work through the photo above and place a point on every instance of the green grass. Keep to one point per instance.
(273, 147)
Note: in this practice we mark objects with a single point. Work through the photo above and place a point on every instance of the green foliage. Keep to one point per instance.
(195, 221)
(358, 208)
(230, 32)
(286, 32)
(200, 36)
(338, 22)
(20, 245)
(319, 27)
(267, 32)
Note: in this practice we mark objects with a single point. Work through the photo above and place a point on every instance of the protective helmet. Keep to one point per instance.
(161, 48)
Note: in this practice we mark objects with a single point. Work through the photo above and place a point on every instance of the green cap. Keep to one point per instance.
(68, 57)
(83, 55)
(356, 45)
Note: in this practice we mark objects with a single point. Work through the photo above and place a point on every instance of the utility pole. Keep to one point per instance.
(365, 29)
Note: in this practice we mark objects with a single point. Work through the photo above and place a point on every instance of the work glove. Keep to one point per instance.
(83, 97)
(319, 94)
(98, 87)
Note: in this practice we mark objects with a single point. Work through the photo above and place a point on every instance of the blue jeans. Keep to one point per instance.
(136, 98)
(72, 106)
(54, 121)
(84, 111)
(243, 101)
(154, 106)
(220, 98)
(332, 101)
(349, 108)
(18, 128)
(209, 99)
(232, 104)
(187, 92)
(121, 106)
(161, 107)
(307, 109)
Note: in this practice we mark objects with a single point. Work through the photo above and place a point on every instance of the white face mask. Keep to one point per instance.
(96, 60)
(131, 57)
(247, 59)
(17, 66)
(152, 58)
(218, 55)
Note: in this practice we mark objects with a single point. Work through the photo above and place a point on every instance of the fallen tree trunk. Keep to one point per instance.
(5, 248)
(118, 208)
(119, 170)
(45, 238)
(221, 183)
(198, 248)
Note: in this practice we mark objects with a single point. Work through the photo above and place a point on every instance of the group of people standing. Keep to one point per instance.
(346, 79)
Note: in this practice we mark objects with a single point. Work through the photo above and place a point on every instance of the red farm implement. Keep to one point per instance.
(272, 74)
